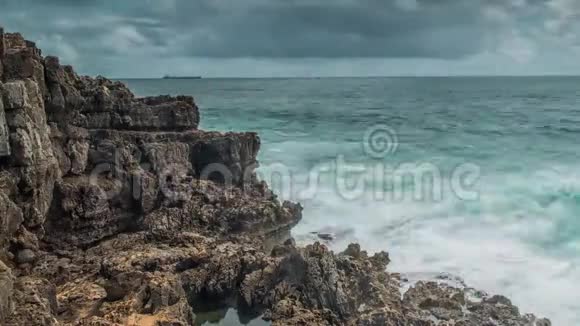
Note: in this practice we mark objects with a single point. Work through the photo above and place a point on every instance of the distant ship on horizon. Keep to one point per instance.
(181, 77)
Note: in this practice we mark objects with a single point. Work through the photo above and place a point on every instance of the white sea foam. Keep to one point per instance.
(490, 245)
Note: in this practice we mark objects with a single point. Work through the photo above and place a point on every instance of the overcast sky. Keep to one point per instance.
(151, 38)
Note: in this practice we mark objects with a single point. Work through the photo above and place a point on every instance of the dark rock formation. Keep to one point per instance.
(117, 210)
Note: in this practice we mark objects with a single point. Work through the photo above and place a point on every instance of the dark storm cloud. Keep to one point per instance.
(266, 28)
(115, 34)
(345, 29)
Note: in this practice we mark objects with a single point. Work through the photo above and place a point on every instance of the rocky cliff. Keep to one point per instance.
(117, 210)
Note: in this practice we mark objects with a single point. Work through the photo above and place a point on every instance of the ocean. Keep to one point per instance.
(475, 177)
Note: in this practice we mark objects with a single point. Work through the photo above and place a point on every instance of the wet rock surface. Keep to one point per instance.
(117, 210)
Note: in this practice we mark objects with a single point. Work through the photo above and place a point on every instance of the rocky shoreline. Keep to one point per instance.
(117, 210)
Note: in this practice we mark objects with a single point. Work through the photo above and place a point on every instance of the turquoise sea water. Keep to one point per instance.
(516, 140)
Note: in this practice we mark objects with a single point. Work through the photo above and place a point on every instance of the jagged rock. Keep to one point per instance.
(14, 41)
(21, 59)
(63, 98)
(32, 160)
(80, 299)
(71, 149)
(174, 115)
(321, 280)
(15, 95)
(83, 212)
(35, 303)
(454, 306)
(10, 219)
(221, 157)
(6, 287)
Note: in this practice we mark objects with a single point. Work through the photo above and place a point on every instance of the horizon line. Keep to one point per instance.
(345, 77)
